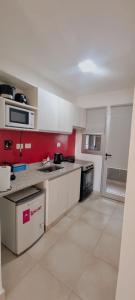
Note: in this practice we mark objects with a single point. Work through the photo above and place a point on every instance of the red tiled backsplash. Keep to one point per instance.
(42, 145)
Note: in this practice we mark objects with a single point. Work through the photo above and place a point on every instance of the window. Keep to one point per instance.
(92, 143)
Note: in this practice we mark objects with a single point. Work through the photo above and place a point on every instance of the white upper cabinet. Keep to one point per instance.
(47, 111)
(96, 120)
(65, 115)
(79, 117)
(54, 113)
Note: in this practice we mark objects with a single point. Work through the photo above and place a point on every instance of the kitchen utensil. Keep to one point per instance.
(21, 98)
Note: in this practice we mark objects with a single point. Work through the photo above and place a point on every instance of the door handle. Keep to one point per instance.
(107, 155)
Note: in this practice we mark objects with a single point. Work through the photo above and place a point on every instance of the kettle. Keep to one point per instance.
(58, 157)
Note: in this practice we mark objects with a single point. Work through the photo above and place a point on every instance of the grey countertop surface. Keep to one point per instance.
(83, 163)
(33, 176)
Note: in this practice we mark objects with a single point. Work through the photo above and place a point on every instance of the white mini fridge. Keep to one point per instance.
(22, 219)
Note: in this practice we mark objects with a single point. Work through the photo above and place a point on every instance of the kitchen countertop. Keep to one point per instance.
(83, 163)
(32, 176)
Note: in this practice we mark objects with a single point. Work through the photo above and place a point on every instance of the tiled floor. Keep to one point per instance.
(76, 260)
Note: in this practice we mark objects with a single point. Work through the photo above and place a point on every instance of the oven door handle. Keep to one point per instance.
(88, 170)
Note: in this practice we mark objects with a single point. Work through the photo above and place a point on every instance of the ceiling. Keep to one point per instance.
(51, 36)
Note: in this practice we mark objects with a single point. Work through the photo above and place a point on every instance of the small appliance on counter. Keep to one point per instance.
(19, 167)
(5, 173)
(21, 98)
(22, 219)
(58, 157)
(7, 91)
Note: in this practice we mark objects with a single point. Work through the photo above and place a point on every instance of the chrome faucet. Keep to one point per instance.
(46, 161)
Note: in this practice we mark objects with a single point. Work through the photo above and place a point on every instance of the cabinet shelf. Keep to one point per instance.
(18, 104)
(19, 128)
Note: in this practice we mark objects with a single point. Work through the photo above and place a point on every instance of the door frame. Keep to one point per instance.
(104, 167)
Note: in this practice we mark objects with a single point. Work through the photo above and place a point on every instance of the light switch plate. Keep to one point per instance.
(28, 146)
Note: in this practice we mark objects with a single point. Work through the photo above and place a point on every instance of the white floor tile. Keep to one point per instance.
(13, 270)
(62, 226)
(66, 261)
(76, 212)
(73, 296)
(96, 219)
(108, 249)
(98, 282)
(101, 205)
(84, 235)
(42, 246)
(39, 284)
(114, 226)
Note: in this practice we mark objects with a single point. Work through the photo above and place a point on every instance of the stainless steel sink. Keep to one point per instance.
(50, 169)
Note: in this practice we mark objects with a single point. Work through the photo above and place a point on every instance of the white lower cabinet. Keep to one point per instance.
(74, 179)
(61, 194)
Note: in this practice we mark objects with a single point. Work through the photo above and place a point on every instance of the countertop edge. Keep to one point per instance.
(23, 179)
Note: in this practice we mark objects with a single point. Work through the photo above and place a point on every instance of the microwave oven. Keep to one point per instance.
(19, 117)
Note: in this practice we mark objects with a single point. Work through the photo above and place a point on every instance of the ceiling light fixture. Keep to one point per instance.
(88, 66)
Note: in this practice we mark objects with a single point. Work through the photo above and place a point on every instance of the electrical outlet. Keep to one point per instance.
(19, 146)
(8, 144)
(58, 145)
(28, 146)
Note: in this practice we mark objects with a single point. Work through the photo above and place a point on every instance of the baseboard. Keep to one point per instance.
(2, 295)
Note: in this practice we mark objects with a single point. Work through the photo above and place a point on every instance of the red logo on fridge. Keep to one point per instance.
(26, 216)
(34, 211)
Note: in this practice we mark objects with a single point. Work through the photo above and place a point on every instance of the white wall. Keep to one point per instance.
(96, 159)
(105, 99)
(126, 277)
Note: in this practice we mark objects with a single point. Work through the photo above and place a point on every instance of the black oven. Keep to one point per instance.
(87, 176)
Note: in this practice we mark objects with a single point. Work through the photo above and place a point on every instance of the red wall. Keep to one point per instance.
(43, 144)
